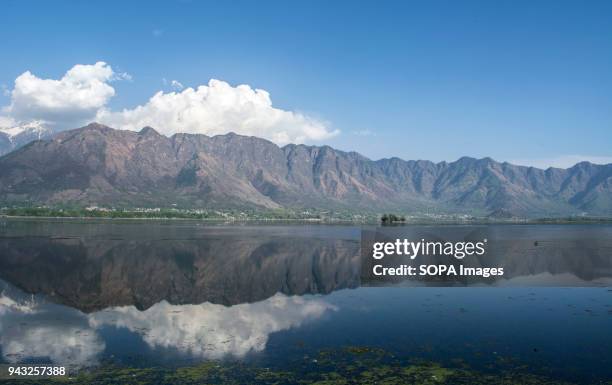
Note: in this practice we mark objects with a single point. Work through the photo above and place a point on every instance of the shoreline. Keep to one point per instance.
(423, 221)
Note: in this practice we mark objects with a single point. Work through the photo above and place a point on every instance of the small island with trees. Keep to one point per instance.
(392, 218)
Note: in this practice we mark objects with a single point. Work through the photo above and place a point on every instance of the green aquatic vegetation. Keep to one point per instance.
(353, 365)
(333, 378)
(364, 350)
(428, 374)
(273, 377)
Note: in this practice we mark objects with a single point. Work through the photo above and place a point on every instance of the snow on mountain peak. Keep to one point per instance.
(35, 128)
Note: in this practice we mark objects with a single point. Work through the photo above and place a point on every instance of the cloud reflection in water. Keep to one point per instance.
(38, 329)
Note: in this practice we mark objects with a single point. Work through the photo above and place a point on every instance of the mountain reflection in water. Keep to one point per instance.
(91, 267)
(81, 293)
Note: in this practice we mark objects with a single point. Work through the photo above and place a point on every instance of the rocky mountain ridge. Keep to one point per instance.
(98, 165)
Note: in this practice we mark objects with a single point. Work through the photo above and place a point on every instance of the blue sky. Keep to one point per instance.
(523, 81)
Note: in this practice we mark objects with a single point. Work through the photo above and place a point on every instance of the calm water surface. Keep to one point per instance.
(86, 293)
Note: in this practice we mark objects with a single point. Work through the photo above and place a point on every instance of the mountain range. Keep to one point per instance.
(100, 166)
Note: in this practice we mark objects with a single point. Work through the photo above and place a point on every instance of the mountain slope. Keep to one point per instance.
(97, 165)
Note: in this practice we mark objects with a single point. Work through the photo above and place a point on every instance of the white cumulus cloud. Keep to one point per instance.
(6, 122)
(76, 97)
(82, 94)
(177, 85)
(219, 108)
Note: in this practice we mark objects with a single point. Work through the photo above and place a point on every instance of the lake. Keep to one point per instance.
(287, 297)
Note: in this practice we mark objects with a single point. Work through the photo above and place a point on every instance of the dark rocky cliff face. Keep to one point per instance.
(97, 165)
